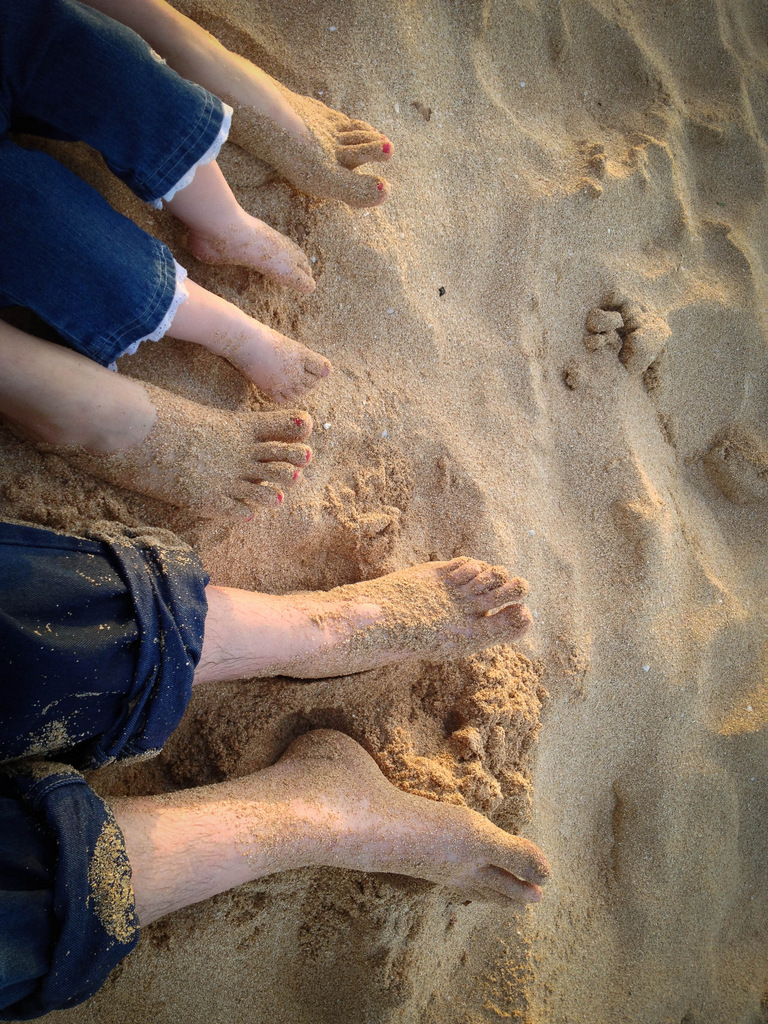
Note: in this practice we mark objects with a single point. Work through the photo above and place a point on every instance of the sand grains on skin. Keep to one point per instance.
(213, 463)
(433, 610)
(337, 809)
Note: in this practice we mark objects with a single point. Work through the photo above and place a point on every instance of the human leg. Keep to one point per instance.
(106, 285)
(99, 639)
(96, 80)
(67, 914)
(132, 434)
(312, 146)
(324, 803)
(434, 610)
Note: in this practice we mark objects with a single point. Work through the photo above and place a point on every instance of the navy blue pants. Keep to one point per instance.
(99, 639)
(70, 72)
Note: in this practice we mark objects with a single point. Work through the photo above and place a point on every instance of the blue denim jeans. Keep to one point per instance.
(70, 72)
(99, 640)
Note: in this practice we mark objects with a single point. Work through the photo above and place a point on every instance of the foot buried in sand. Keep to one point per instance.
(314, 147)
(338, 810)
(213, 463)
(252, 243)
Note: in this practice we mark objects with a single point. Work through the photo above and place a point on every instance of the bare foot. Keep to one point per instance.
(220, 231)
(252, 243)
(325, 803)
(434, 610)
(313, 147)
(215, 464)
(342, 812)
(283, 368)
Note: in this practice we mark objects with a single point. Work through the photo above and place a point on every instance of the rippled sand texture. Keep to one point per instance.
(550, 351)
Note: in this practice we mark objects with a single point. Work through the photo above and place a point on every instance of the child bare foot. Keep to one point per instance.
(324, 803)
(253, 243)
(315, 148)
(220, 231)
(283, 368)
(434, 610)
(215, 464)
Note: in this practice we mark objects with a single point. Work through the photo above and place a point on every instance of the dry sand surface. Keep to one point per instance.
(550, 352)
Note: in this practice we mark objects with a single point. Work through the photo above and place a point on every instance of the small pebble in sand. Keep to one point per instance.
(750, 708)
(326, 426)
(646, 668)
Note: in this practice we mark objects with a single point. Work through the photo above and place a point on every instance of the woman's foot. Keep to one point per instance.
(324, 803)
(282, 368)
(434, 610)
(212, 463)
(314, 147)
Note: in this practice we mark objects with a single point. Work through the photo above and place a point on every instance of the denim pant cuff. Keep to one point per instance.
(65, 891)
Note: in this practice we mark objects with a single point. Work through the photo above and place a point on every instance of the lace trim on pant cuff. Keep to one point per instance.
(210, 154)
(181, 294)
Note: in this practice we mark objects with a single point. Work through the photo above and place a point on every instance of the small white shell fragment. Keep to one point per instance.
(326, 426)
(750, 708)
(384, 433)
(646, 668)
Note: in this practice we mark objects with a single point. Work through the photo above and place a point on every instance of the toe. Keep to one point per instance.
(252, 495)
(494, 600)
(491, 578)
(281, 474)
(276, 451)
(292, 425)
(365, 153)
(316, 365)
(510, 622)
(467, 570)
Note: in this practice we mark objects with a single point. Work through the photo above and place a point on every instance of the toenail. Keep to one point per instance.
(380, 186)
(308, 456)
(296, 474)
(250, 518)
(386, 147)
(297, 422)
(279, 497)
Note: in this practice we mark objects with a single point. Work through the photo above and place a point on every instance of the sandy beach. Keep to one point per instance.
(550, 351)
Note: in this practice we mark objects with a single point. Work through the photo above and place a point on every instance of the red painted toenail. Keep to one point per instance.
(295, 475)
(380, 186)
(308, 455)
(386, 147)
(279, 497)
(297, 422)
(250, 518)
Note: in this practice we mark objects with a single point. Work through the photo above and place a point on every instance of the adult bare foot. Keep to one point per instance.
(283, 368)
(213, 463)
(324, 803)
(434, 610)
(312, 146)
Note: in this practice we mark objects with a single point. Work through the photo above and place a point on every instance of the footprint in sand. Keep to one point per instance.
(737, 464)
